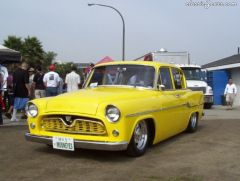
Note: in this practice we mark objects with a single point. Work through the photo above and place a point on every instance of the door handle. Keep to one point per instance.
(177, 95)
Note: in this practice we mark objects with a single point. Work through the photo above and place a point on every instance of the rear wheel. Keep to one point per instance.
(193, 123)
(139, 141)
(207, 105)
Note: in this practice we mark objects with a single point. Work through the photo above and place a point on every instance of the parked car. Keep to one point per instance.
(123, 106)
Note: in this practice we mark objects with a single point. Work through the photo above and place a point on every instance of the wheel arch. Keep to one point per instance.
(151, 126)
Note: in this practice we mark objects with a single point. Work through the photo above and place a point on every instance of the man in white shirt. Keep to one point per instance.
(230, 92)
(51, 82)
(72, 80)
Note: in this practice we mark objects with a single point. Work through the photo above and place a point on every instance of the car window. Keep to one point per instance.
(165, 78)
(177, 78)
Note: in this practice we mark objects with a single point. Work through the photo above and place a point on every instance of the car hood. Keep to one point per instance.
(86, 101)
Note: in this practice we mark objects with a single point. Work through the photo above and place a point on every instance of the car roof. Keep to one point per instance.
(148, 63)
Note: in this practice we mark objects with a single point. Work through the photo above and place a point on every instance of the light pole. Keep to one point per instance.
(123, 43)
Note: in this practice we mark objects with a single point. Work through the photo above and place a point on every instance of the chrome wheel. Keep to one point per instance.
(193, 123)
(193, 120)
(140, 139)
(141, 135)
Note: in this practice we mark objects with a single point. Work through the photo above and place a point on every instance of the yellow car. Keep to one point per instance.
(123, 106)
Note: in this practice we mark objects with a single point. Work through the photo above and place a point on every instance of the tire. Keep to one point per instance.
(193, 123)
(207, 105)
(49, 146)
(140, 139)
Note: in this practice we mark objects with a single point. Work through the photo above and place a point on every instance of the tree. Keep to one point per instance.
(48, 58)
(32, 51)
(14, 43)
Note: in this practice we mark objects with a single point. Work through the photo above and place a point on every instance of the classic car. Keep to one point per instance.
(126, 105)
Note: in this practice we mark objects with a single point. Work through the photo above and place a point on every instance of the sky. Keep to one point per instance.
(79, 33)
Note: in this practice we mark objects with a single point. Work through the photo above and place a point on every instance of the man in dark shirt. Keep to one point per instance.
(21, 90)
(38, 84)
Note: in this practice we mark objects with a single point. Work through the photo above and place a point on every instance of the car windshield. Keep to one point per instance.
(192, 73)
(121, 75)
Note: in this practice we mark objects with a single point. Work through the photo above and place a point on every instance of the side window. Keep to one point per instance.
(165, 78)
(177, 78)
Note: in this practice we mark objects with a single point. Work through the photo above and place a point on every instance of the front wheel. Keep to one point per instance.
(139, 141)
(193, 123)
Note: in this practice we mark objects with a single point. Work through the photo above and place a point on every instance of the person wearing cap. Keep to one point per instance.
(51, 81)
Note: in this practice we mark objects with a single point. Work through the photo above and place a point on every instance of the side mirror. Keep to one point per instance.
(161, 87)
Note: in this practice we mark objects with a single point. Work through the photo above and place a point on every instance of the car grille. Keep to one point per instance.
(74, 126)
(198, 89)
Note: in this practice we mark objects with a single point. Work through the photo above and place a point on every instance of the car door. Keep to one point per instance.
(171, 98)
(180, 92)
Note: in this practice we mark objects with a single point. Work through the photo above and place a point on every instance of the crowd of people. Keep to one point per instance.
(23, 83)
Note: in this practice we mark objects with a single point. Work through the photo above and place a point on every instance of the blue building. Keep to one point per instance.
(219, 73)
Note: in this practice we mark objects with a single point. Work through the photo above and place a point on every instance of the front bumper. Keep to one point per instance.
(208, 98)
(110, 146)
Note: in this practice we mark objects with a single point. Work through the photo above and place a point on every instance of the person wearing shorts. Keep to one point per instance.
(230, 92)
(21, 90)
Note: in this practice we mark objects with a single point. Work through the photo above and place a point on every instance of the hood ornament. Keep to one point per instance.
(68, 120)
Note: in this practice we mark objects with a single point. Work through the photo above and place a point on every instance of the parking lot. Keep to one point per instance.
(212, 153)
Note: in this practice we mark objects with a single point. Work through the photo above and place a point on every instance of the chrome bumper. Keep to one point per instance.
(208, 98)
(93, 145)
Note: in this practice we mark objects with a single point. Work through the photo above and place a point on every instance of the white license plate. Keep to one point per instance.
(63, 143)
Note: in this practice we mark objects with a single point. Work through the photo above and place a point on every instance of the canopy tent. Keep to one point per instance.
(105, 60)
(9, 56)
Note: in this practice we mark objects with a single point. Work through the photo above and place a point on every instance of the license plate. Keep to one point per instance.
(63, 143)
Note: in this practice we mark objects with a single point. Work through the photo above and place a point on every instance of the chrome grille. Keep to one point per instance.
(77, 126)
(198, 89)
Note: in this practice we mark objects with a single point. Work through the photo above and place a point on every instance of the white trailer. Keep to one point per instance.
(193, 73)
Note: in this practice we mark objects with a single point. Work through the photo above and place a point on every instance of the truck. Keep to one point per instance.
(193, 73)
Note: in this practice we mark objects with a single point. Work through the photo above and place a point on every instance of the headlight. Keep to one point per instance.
(112, 113)
(32, 110)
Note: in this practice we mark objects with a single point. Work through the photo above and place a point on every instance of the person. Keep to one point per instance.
(8, 113)
(60, 85)
(88, 70)
(21, 90)
(31, 77)
(1, 119)
(4, 74)
(51, 81)
(230, 92)
(72, 80)
(132, 80)
(38, 85)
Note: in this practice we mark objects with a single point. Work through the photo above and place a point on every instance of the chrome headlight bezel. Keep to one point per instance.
(32, 110)
(112, 113)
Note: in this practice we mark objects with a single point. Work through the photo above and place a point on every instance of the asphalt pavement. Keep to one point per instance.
(7, 122)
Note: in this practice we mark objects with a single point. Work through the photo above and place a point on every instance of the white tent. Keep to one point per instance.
(8, 55)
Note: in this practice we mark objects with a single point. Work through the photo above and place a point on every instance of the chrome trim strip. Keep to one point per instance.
(161, 109)
(94, 145)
